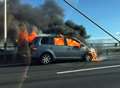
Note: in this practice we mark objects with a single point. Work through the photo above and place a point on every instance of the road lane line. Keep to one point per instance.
(87, 69)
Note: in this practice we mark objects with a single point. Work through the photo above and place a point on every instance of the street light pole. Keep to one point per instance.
(5, 24)
(5, 28)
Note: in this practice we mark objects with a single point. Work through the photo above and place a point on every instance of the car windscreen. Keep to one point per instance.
(71, 42)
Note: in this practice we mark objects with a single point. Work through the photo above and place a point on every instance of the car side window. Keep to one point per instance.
(47, 40)
(59, 41)
(71, 42)
(36, 42)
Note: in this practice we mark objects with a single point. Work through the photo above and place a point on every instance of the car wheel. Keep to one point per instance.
(46, 58)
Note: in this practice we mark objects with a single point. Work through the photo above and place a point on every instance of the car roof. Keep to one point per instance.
(45, 35)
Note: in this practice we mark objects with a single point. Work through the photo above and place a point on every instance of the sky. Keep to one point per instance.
(104, 12)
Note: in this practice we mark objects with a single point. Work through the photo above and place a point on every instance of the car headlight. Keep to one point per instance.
(92, 50)
(84, 48)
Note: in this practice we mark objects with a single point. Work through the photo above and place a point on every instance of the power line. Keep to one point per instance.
(92, 21)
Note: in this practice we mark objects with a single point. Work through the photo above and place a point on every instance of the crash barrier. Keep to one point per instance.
(112, 50)
(107, 48)
(9, 56)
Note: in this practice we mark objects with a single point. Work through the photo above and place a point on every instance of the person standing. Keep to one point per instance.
(23, 44)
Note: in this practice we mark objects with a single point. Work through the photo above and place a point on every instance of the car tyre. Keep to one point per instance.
(46, 58)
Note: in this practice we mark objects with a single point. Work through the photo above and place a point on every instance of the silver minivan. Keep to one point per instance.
(48, 48)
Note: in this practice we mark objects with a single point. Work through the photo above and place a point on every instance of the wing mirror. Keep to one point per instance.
(82, 45)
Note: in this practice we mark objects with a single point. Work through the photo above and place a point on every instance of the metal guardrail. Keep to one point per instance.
(112, 50)
(10, 49)
(107, 48)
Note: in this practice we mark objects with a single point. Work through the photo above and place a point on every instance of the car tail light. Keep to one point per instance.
(33, 48)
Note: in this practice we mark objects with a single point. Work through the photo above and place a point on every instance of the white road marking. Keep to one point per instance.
(87, 69)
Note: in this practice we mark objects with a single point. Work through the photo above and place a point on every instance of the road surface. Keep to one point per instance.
(104, 74)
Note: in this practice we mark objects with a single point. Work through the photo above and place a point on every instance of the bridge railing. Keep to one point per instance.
(107, 48)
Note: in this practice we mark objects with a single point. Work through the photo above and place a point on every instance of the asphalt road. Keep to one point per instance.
(103, 74)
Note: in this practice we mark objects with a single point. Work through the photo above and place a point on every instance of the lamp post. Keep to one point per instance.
(5, 28)
(5, 23)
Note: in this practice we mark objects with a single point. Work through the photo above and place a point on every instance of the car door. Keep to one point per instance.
(74, 48)
(60, 49)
